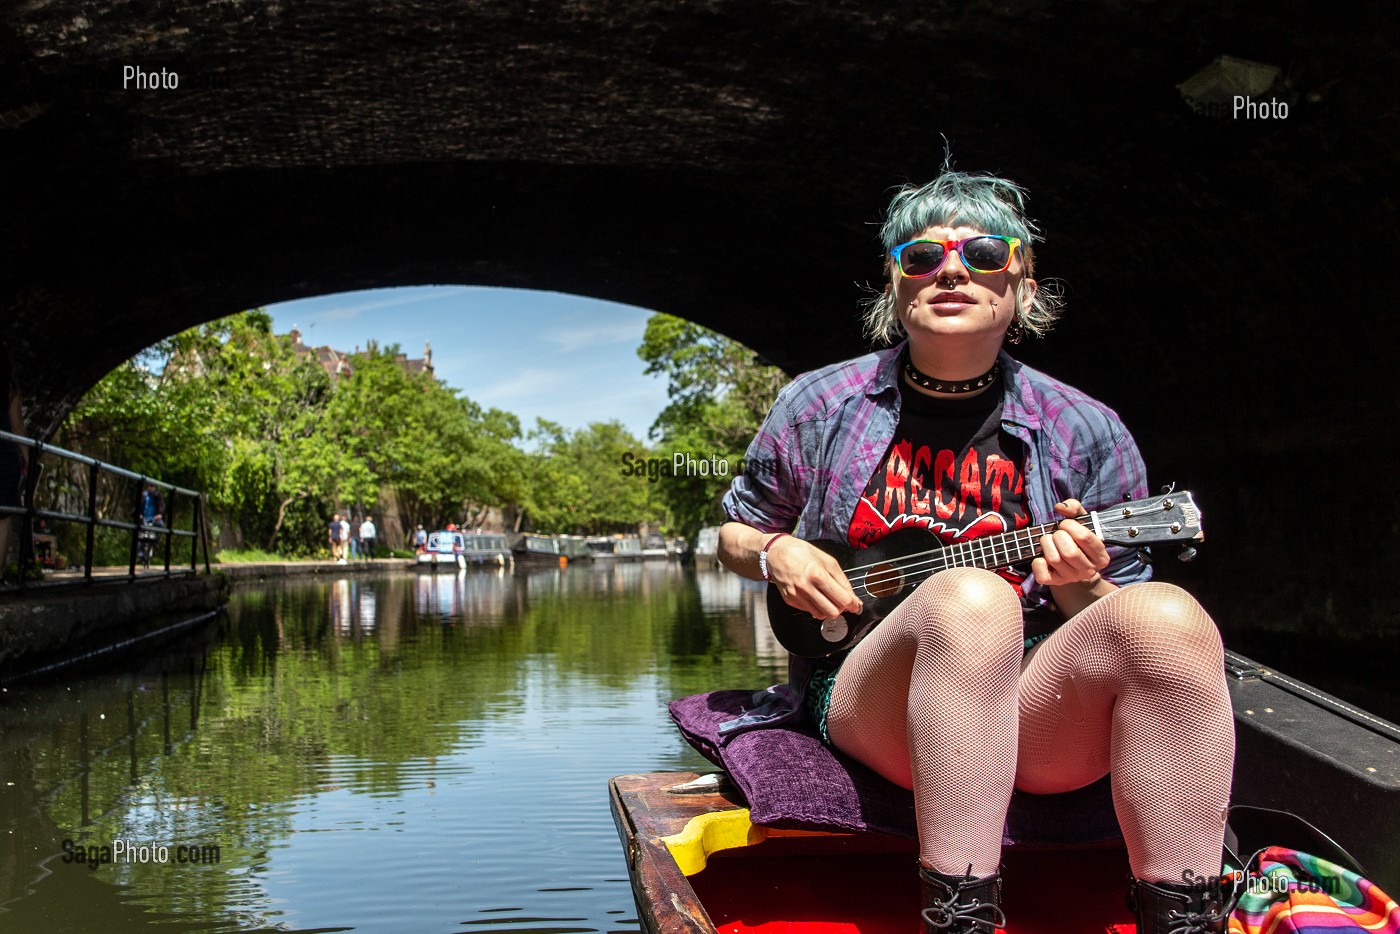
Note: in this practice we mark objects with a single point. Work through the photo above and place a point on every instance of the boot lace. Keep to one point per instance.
(947, 915)
(1198, 922)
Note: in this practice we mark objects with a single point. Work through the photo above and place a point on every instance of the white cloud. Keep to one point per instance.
(408, 297)
(570, 339)
(529, 383)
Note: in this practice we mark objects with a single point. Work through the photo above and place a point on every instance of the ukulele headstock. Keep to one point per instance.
(1171, 517)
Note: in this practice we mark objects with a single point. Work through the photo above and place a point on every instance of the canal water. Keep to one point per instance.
(424, 753)
(407, 752)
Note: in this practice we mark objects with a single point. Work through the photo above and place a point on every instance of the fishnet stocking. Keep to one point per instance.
(1134, 684)
(928, 700)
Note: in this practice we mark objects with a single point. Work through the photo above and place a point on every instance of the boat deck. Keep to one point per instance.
(757, 879)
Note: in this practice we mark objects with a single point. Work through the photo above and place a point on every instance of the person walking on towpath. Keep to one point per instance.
(367, 536)
(336, 539)
(153, 507)
(152, 516)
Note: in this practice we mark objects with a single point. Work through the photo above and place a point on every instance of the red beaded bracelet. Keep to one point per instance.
(763, 554)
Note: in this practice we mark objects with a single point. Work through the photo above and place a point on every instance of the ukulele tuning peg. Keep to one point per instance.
(1187, 554)
(1169, 489)
(1143, 557)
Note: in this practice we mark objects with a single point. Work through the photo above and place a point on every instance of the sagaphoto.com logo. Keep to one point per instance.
(136, 852)
(679, 464)
(1278, 882)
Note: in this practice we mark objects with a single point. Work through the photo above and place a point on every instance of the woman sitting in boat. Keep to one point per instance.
(1042, 679)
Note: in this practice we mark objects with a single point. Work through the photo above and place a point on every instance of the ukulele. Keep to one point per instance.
(886, 572)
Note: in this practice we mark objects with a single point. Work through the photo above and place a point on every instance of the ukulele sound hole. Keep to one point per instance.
(884, 580)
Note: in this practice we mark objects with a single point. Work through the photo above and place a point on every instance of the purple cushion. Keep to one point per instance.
(792, 779)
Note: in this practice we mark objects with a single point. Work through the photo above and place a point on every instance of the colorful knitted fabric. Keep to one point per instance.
(819, 698)
(1295, 892)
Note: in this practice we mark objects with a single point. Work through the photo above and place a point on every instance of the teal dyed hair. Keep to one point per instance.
(960, 199)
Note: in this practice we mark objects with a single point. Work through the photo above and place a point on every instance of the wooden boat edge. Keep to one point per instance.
(646, 813)
(666, 902)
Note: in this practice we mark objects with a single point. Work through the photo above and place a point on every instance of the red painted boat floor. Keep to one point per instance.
(1046, 892)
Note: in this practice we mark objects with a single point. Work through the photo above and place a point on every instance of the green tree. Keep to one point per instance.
(452, 460)
(232, 409)
(224, 407)
(271, 407)
(719, 393)
(576, 481)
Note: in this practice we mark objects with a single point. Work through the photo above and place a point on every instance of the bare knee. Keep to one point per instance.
(968, 615)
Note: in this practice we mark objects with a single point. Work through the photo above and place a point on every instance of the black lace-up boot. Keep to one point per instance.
(1178, 908)
(961, 904)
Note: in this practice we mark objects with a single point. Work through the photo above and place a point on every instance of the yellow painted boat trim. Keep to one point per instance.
(710, 833)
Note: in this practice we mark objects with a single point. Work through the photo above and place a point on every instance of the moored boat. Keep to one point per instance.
(444, 547)
(486, 548)
(602, 547)
(699, 863)
(615, 547)
(654, 548)
(531, 550)
(573, 547)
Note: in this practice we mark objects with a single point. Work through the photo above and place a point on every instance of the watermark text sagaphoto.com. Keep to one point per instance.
(1259, 110)
(679, 464)
(686, 464)
(138, 852)
(1276, 883)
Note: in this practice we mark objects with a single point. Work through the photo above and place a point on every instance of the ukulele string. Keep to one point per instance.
(931, 562)
(1034, 532)
(924, 562)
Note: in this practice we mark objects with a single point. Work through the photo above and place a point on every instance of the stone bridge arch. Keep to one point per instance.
(725, 161)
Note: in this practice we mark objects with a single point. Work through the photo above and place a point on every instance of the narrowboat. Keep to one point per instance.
(615, 547)
(486, 548)
(655, 548)
(601, 547)
(444, 548)
(573, 547)
(707, 853)
(531, 550)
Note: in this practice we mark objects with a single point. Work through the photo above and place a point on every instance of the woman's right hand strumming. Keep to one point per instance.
(808, 578)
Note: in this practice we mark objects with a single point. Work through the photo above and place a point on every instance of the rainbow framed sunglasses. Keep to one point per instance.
(919, 259)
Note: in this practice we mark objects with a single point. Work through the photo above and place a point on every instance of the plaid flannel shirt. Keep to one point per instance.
(829, 429)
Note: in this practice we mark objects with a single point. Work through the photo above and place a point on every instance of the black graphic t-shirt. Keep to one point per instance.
(951, 469)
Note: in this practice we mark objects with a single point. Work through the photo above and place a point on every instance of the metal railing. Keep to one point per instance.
(198, 532)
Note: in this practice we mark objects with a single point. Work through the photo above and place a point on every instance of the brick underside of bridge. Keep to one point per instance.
(725, 161)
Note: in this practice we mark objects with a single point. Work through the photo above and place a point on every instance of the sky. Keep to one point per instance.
(566, 358)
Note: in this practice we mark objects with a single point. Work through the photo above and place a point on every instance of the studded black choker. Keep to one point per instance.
(925, 381)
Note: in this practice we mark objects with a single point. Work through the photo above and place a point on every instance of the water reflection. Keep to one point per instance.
(423, 752)
(452, 594)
